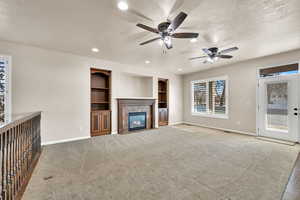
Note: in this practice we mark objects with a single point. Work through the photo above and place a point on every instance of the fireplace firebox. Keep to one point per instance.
(137, 121)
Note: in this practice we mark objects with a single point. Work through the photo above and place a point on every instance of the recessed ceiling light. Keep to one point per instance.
(180, 70)
(122, 5)
(96, 50)
(193, 40)
(147, 62)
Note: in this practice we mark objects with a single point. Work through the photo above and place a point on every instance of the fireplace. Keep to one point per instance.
(137, 121)
(135, 114)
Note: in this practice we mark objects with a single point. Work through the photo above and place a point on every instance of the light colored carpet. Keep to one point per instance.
(179, 163)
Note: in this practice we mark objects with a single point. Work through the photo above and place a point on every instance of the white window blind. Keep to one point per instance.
(200, 97)
(209, 97)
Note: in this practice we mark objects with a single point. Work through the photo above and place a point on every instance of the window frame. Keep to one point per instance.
(206, 114)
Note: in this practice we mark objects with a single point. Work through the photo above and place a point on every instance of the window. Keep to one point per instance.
(4, 89)
(209, 97)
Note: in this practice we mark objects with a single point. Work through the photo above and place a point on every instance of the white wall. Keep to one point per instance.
(140, 86)
(58, 84)
(242, 91)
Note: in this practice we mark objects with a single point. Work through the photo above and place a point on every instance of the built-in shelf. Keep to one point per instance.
(163, 102)
(99, 88)
(100, 102)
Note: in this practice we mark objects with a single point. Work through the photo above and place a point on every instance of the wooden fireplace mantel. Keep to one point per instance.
(126, 105)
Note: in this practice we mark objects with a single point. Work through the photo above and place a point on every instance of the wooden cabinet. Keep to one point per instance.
(105, 122)
(163, 116)
(163, 102)
(100, 122)
(100, 102)
(95, 122)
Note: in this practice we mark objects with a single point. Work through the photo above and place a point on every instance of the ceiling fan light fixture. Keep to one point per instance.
(215, 59)
(167, 40)
(214, 54)
(166, 31)
(210, 60)
(122, 5)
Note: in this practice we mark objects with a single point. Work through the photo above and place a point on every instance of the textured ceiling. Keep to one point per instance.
(257, 27)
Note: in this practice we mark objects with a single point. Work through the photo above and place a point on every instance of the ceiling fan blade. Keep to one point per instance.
(148, 28)
(207, 51)
(185, 35)
(152, 40)
(199, 57)
(177, 21)
(225, 56)
(228, 50)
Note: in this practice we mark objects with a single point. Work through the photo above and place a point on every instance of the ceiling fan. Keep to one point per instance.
(213, 54)
(166, 31)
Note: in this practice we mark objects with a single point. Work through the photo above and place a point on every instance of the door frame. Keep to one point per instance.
(257, 90)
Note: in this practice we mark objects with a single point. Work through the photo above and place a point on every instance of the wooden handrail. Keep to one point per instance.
(20, 149)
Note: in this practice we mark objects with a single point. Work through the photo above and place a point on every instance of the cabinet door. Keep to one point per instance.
(96, 125)
(160, 115)
(163, 116)
(105, 122)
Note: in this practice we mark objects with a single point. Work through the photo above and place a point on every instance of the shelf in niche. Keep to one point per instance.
(99, 88)
(100, 110)
(100, 102)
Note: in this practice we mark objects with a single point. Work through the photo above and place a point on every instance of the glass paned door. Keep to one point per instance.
(278, 107)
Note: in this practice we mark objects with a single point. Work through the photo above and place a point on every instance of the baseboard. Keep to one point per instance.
(64, 141)
(114, 132)
(276, 141)
(175, 123)
(221, 129)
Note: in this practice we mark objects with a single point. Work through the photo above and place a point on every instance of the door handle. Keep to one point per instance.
(295, 109)
(296, 114)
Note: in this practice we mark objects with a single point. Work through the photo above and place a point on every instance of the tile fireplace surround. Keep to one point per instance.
(126, 106)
